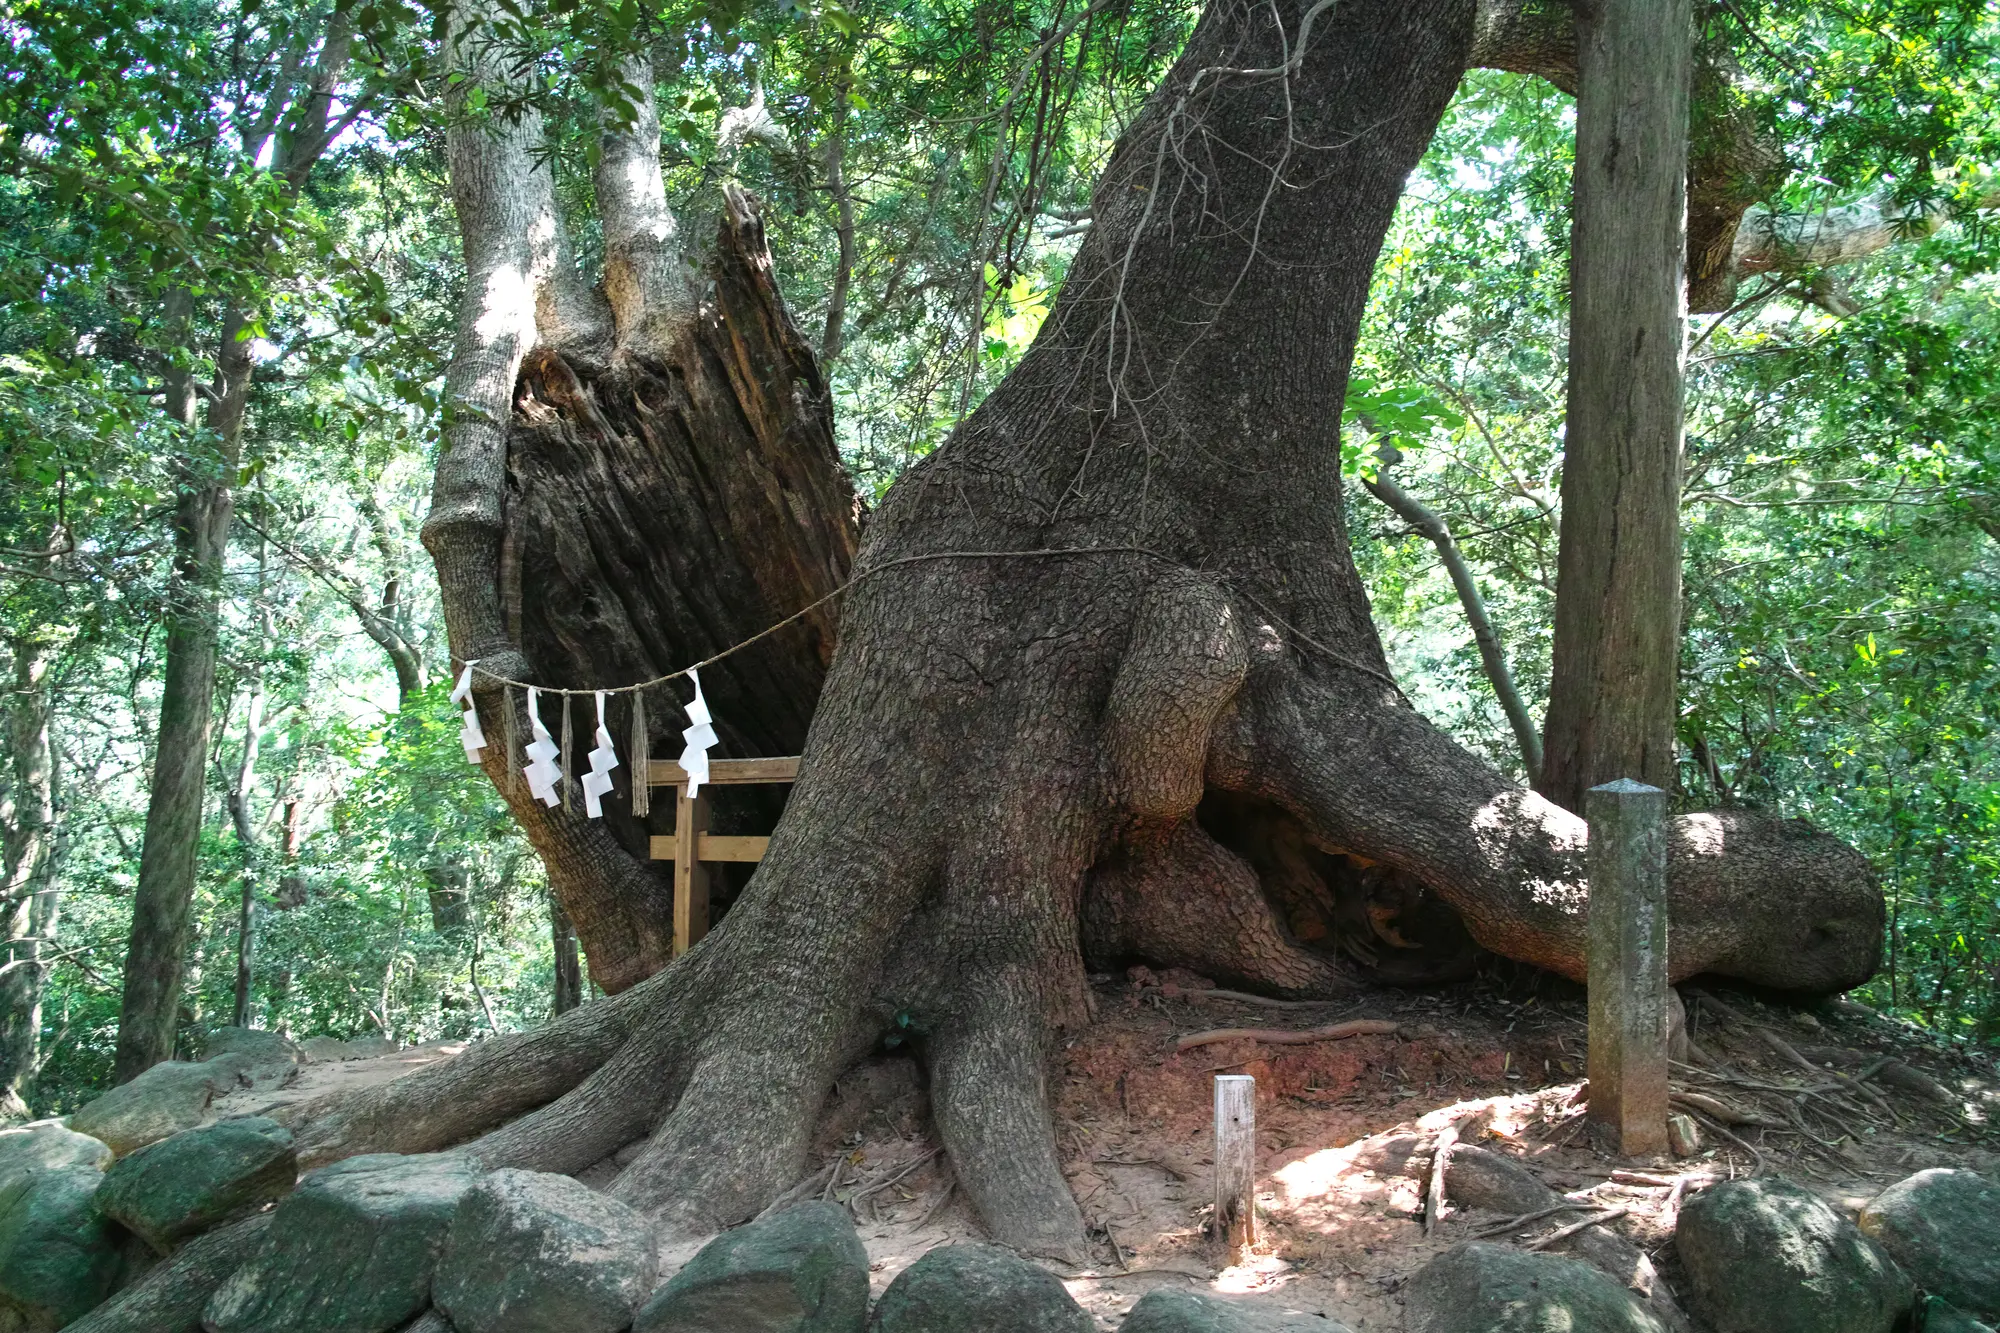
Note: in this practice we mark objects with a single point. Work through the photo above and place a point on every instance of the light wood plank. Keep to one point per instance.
(730, 772)
(730, 847)
(713, 847)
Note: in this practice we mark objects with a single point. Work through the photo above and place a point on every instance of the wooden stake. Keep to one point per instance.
(1236, 1160)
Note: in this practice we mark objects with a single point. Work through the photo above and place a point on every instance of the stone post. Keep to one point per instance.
(1628, 964)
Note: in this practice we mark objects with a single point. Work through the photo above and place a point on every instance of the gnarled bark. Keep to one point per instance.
(1119, 595)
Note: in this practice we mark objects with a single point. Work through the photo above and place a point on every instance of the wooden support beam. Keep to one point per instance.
(730, 772)
(690, 879)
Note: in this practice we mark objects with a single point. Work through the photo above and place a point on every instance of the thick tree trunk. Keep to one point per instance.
(1618, 582)
(1107, 633)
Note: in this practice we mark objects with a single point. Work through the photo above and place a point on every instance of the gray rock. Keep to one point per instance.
(530, 1252)
(58, 1255)
(1943, 1227)
(163, 1101)
(1482, 1288)
(46, 1145)
(326, 1050)
(1176, 1310)
(178, 1187)
(977, 1289)
(430, 1321)
(1767, 1256)
(351, 1250)
(267, 1059)
(170, 1297)
(799, 1271)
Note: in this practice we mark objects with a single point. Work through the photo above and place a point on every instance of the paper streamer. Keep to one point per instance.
(699, 737)
(602, 760)
(541, 772)
(469, 734)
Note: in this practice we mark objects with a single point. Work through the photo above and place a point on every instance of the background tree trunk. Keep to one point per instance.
(1617, 632)
(28, 894)
(155, 958)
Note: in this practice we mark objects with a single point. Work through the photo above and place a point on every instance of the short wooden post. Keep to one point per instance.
(1628, 964)
(690, 878)
(1236, 1159)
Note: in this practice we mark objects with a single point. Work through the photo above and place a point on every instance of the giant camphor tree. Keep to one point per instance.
(1106, 685)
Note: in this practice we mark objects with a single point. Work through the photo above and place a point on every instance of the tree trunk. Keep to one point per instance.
(244, 822)
(1120, 588)
(156, 956)
(1618, 580)
(28, 896)
(568, 988)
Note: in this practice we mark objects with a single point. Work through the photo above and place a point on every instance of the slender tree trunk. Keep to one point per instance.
(1618, 582)
(843, 230)
(568, 966)
(28, 896)
(244, 822)
(155, 959)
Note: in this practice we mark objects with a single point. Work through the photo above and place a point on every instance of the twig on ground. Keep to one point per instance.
(1525, 1219)
(1744, 1144)
(1243, 997)
(1564, 1233)
(1723, 1111)
(1354, 1027)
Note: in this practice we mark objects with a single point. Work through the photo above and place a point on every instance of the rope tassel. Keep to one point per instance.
(568, 782)
(642, 763)
(513, 743)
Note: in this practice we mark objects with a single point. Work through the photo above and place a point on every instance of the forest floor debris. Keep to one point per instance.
(1347, 1126)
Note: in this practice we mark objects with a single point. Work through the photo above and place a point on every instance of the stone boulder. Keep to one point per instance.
(530, 1252)
(328, 1050)
(171, 1295)
(181, 1186)
(166, 1099)
(46, 1145)
(265, 1059)
(351, 1250)
(1767, 1256)
(58, 1254)
(1175, 1310)
(799, 1271)
(1944, 1317)
(1943, 1227)
(977, 1289)
(1483, 1288)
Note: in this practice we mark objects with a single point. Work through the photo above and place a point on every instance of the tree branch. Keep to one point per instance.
(1427, 522)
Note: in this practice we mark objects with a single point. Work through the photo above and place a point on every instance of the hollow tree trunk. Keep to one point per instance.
(1122, 586)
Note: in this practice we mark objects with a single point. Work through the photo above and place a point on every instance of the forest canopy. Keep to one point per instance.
(232, 266)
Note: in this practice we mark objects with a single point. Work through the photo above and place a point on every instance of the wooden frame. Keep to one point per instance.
(691, 843)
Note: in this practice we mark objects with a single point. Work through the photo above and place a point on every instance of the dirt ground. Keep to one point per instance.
(1848, 1104)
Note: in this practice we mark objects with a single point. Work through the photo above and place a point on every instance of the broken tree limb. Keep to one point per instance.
(1354, 1027)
